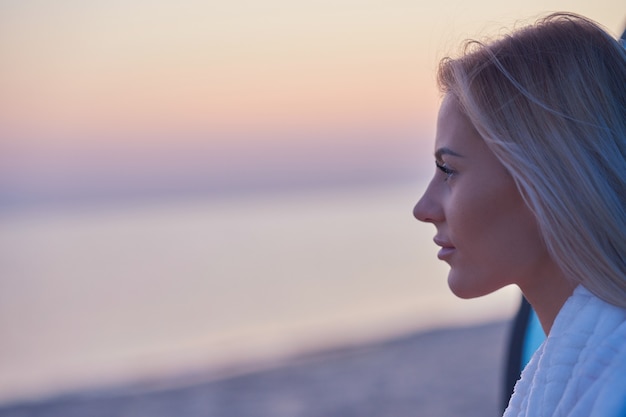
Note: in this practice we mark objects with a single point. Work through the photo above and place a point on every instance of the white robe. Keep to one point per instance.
(580, 369)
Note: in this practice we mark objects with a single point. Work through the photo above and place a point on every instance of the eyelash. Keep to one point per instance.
(445, 169)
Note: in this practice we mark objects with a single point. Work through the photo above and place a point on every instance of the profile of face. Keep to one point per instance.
(486, 232)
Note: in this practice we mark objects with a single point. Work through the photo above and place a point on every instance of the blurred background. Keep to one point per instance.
(189, 185)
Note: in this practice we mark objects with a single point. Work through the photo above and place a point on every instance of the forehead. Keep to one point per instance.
(455, 131)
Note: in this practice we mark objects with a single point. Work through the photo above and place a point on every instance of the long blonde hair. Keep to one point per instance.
(550, 101)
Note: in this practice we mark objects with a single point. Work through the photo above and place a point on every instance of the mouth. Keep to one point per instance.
(447, 249)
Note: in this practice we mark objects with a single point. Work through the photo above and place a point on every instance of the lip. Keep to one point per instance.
(445, 253)
(447, 249)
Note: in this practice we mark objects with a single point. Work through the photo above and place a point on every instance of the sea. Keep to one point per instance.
(96, 296)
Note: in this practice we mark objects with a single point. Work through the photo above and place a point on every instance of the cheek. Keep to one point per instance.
(490, 212)
(497, 240)
(523, 250)
(476, 218)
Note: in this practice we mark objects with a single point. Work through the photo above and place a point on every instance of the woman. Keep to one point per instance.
(530, 189)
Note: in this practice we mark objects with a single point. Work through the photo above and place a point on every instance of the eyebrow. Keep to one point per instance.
(446, 151)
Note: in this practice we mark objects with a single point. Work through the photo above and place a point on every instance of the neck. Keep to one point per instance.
(548, 296)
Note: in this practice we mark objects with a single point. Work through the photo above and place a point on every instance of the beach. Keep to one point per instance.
(443, 372)
(327, 303)
(107, 296)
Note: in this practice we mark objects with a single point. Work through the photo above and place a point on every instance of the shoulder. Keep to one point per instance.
(605, 393)
(590, 334)
(580, 370)
(612, 397)
(591, 342)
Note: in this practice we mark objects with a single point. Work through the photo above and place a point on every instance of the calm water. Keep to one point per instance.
(90, 297)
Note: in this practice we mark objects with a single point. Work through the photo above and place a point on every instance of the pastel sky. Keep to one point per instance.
(91, 89)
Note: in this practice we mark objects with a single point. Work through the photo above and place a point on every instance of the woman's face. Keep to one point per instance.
(487, 234)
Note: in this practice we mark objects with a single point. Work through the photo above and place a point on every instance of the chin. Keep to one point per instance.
(468, 288)
(464, 293)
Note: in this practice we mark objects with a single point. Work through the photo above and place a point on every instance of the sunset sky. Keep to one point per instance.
(95, 94)
(140, 101)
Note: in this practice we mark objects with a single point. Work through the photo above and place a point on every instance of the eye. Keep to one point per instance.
(445, 169)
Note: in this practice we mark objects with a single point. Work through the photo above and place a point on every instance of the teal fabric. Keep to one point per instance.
(533, 338)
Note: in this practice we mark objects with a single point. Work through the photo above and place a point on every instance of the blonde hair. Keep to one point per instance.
(550, 101)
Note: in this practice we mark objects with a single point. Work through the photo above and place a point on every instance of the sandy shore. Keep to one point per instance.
(446, 372)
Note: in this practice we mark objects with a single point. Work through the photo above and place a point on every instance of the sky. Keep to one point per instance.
(158, 95)
(126, 99)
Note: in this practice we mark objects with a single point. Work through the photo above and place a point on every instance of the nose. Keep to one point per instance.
(428, 208)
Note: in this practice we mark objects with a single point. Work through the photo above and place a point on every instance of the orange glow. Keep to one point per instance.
(131, 68)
